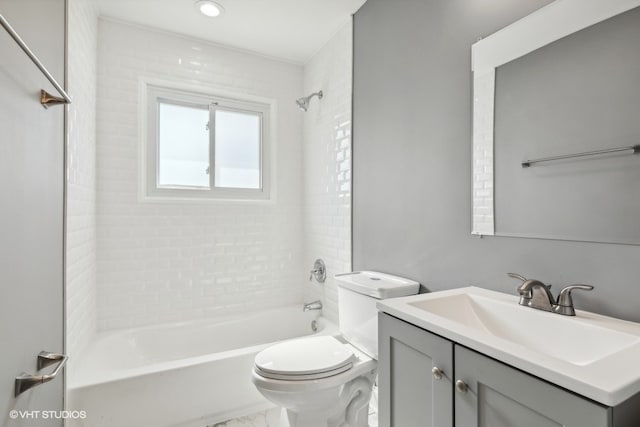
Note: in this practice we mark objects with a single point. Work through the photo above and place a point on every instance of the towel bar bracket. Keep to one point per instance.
(50, 100)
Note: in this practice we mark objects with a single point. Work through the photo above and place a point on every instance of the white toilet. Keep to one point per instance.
(326, 381)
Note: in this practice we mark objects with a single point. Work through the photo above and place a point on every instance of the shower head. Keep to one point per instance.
(303, 103)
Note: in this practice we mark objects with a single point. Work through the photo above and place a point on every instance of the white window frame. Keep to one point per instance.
(151, 92)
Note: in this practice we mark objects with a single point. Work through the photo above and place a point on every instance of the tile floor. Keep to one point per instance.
(271, 418)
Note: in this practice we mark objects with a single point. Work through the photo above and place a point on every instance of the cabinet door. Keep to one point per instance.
(501, 396)
(409, 393)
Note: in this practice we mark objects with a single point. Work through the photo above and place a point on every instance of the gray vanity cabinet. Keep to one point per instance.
(501, 396)
(409, 395)
(496, 394)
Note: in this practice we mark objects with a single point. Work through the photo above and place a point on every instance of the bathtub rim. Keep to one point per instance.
(82, 380)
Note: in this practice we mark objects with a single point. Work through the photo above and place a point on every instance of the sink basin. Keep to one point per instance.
(558, 336)
(593, 355)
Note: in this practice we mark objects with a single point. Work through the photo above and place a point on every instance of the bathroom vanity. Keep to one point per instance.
(472, 357)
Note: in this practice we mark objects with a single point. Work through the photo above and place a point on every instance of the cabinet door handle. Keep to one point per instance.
(437, 373)
(461, 387)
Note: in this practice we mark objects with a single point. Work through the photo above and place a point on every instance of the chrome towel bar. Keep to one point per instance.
(44, 100)
(634, 148)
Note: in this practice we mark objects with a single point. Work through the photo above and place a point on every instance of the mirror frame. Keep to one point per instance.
(558, 19)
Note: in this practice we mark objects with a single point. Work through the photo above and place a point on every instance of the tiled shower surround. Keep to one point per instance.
(327, 165)
(133, 263)
(170, 261)
(81, 177)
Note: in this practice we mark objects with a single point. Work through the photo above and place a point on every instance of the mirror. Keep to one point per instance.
(561, 85)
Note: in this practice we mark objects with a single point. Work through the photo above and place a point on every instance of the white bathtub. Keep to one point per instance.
(185, 374)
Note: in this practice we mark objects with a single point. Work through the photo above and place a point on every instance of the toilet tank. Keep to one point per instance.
(358, 293)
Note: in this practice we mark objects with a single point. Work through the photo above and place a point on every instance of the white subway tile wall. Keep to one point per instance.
(327, 166)
(162, 262)
(483, 107)
(81, 176)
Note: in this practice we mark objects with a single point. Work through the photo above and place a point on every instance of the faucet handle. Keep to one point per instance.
(564, 304)
(517, 276)
(319, 271)
(525, 294)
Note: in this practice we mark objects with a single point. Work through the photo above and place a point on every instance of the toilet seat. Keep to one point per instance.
(305, 359)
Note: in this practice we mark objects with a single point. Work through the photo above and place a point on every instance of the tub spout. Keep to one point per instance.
(315, 305)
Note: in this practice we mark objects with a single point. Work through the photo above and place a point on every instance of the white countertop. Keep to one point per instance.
(592, 355)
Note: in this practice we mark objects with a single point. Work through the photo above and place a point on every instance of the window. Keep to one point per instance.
(205, 147)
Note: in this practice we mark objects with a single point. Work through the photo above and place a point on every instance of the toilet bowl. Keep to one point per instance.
(320, 381)
(327, 381)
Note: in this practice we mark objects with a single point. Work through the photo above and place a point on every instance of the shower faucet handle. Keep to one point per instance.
(319, 271)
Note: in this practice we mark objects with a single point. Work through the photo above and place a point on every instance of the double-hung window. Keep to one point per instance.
(205, 147)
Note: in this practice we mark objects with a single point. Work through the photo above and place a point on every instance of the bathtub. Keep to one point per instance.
(184, 374)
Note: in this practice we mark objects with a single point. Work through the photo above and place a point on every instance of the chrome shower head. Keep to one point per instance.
(303, 103)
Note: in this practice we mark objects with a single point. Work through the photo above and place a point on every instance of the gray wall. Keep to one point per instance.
(412, 157)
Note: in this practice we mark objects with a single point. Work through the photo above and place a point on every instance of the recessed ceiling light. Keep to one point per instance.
(209, 8)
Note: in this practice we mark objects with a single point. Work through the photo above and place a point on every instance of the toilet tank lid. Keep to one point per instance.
(377, 285)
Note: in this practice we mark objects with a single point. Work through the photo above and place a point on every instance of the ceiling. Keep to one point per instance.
(292, 30)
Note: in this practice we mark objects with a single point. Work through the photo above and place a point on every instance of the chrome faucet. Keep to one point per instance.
(315, 305)
(535, 294)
